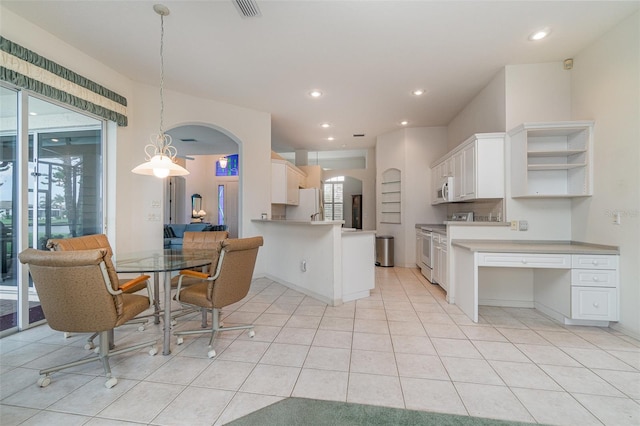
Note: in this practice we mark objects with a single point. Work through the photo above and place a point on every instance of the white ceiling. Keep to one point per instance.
(366, 56)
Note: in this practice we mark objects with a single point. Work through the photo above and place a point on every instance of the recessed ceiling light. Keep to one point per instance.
(539, 34)
(54, 140)
(33, 113)
(315, 93)
(418, 92)
(325, 125)
(331, 138)
(404, 122)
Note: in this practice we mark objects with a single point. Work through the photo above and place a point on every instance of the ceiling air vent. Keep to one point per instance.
(358, 135)
(187, 140)
(247, 8)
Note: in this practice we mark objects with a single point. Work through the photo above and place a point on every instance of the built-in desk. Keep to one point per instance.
(576, 283)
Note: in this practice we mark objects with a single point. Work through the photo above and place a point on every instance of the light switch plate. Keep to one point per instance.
(524, 225)
(514, 225)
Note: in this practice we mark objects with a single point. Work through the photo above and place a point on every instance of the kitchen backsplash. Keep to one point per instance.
(483, 210)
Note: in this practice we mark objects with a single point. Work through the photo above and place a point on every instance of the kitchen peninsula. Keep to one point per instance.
(320, 258)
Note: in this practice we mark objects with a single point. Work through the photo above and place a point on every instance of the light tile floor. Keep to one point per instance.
(402, 347)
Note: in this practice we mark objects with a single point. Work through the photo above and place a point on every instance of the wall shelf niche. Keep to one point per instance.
(391, 197)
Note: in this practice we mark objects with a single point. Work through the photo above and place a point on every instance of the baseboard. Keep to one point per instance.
(306, 291)
(624, 330)
(558, 316)
(506, 303)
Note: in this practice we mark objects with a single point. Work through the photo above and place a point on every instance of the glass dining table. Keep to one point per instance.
(162, 261)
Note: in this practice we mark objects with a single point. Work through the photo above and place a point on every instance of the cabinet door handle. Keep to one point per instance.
(524, 261)
(595, 262)
(596, 304)
(595, 278)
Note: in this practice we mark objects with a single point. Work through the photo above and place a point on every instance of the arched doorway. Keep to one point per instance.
(202, 146)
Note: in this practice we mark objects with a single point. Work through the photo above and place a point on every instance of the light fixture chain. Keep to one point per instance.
(161, 74)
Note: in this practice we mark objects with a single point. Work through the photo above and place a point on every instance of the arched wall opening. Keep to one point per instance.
(200, 147)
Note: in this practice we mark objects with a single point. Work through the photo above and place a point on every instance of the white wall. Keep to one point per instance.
(251, 129)
(118, 139)
(606, 88)
(411, 151)
(484, 114)
(536, 92)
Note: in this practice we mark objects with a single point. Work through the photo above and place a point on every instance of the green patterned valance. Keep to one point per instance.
(27, 69)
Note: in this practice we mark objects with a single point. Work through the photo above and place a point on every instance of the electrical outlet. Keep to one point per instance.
(524, 225)
(514, 225)
(616, 218)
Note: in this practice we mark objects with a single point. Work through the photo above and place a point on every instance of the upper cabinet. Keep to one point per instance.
(552, 159)
(477, 168)
(286, 179)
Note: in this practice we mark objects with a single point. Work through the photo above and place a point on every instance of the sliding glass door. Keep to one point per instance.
(8, 208)
(63, 188)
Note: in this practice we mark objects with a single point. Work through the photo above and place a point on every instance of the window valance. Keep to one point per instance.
(25, 68)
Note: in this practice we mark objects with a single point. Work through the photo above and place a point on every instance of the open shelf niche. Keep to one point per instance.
(391, 196)
(552, 159)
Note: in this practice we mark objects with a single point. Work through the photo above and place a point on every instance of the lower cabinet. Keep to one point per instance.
(439, 260)
(594, 291)
(594, 303)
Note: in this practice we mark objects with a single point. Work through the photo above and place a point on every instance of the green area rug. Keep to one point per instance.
(301, 411)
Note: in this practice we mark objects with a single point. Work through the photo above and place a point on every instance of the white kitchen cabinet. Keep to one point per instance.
(477, 167)
(439, 260)
(439, 172)
(435, 258)
(442, 263)
(552, 159)
(286, 179)
(594, 287)
(418, 247)
(464, 174)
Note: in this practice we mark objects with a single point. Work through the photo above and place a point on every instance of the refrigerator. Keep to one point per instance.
(310, 202)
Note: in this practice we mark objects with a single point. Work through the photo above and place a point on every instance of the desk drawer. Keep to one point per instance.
(594, 261)
(594, 277)
(594, 303)
(525, 260)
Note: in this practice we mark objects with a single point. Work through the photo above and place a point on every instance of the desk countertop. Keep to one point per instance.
(528, 246)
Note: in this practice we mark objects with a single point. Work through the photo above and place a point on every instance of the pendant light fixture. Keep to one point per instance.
(161, 155)
(223, 162)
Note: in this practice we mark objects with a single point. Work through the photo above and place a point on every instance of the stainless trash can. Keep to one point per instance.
(384, 250)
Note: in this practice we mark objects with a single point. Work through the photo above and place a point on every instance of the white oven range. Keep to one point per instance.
(425, 249)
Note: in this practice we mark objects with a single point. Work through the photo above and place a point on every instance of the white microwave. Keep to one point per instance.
(444, 191)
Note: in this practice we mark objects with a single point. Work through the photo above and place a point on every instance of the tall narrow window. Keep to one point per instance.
(220, 204)
(334, 198)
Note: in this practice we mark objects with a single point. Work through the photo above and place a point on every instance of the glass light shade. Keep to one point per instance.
(223, 162)
(160, 166)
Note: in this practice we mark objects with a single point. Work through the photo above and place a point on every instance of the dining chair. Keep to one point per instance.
(227, 282)
(100, 241)
(78, 293)
(196, 242)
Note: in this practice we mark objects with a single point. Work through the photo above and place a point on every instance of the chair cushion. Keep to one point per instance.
(132, 305)
(169, 232)
(196, 295)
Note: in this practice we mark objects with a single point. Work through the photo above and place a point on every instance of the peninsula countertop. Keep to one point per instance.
(533, 246)
(300, 222)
